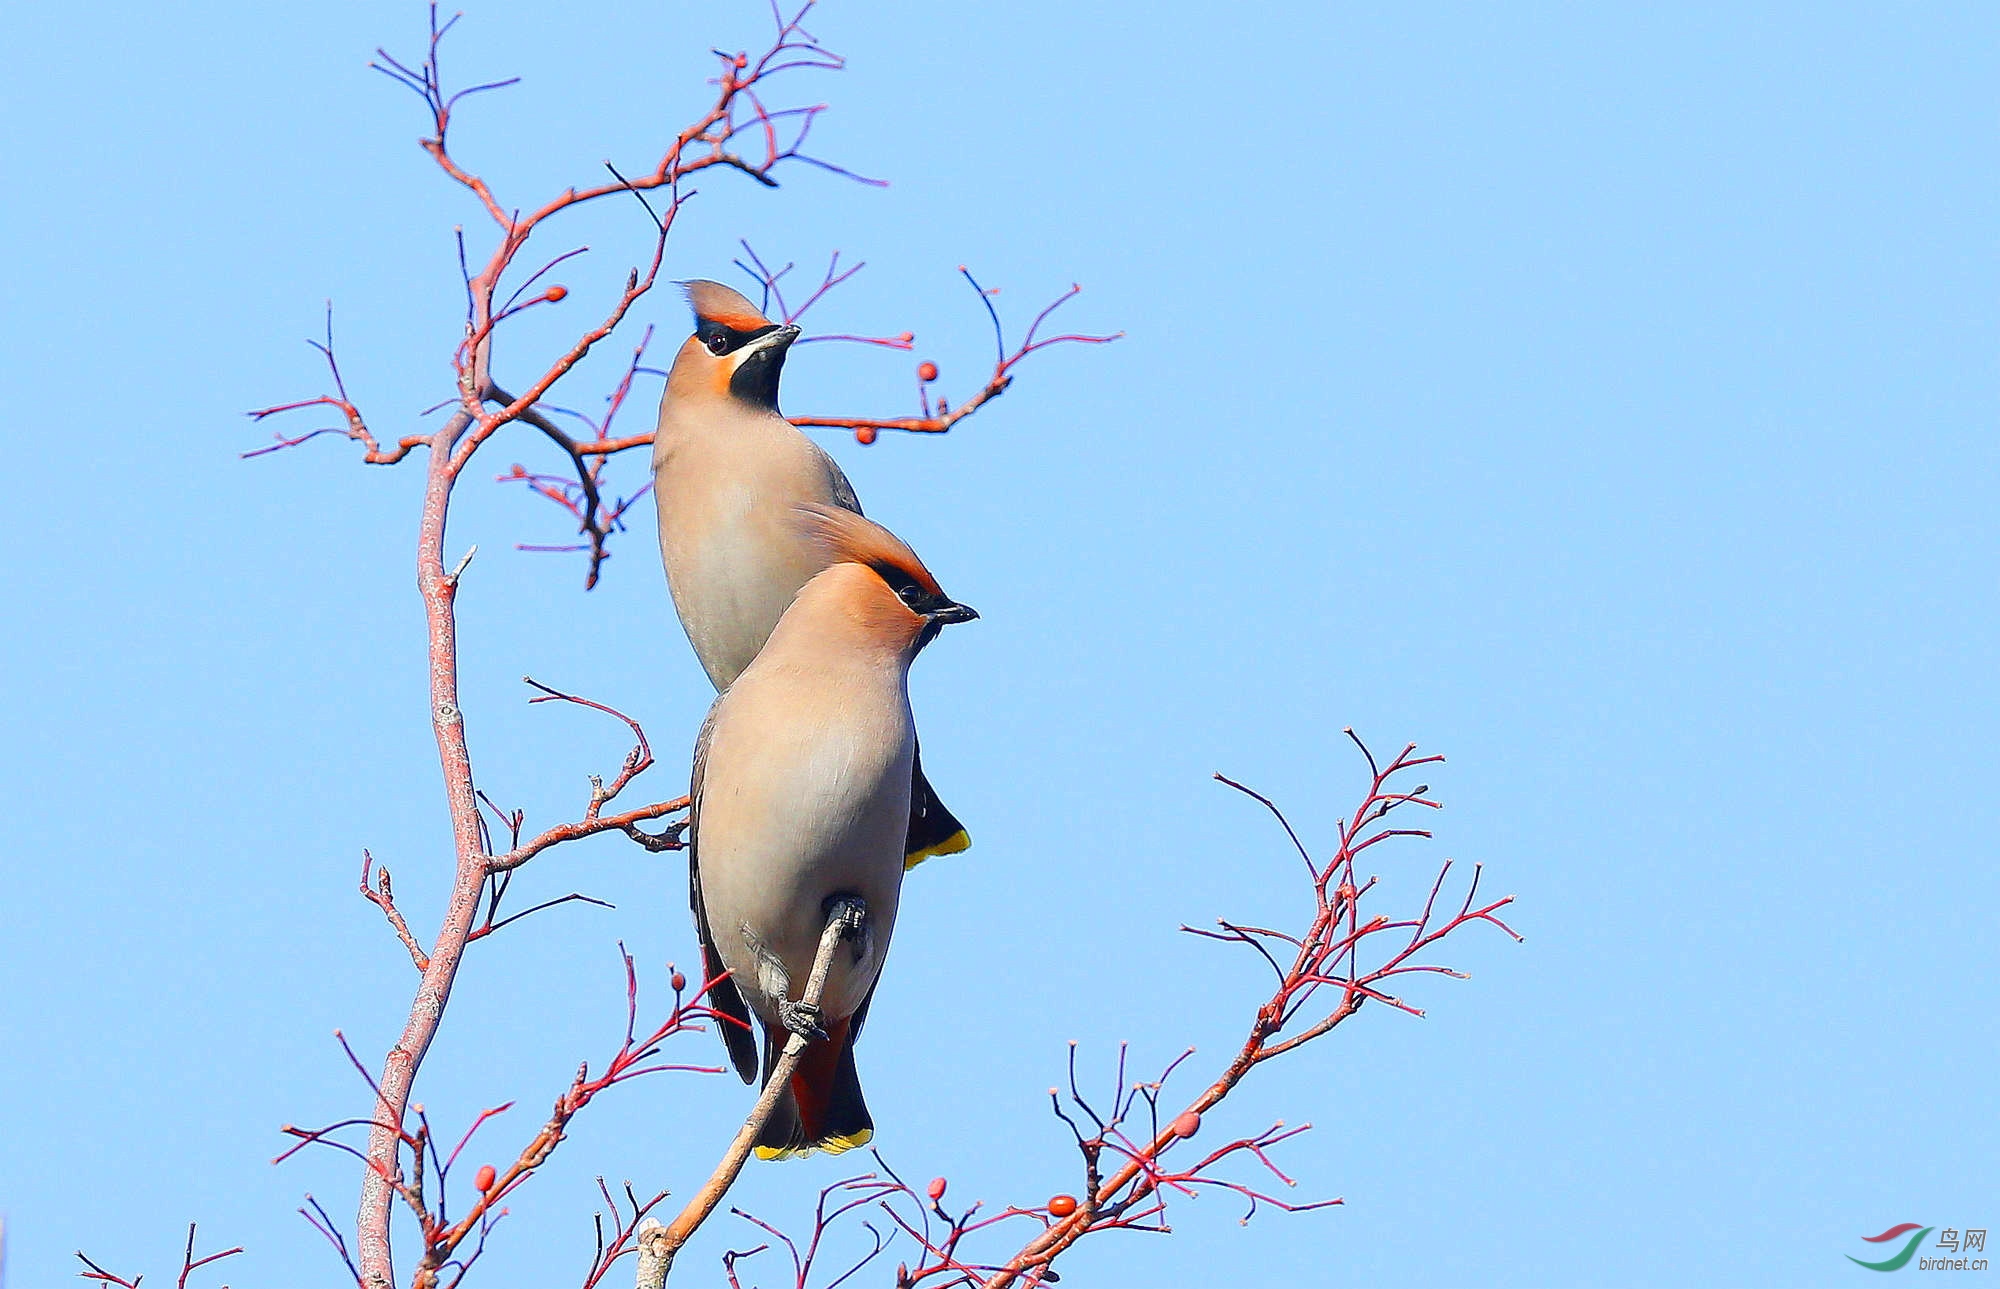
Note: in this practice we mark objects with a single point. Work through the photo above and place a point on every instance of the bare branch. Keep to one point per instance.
(778, 1080)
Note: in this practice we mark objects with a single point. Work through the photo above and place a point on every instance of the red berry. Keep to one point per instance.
(1187, 1125)
(678, 981)
(1062, 1206)
(741, 61)
(865, 435)
(927, 371)
(937, 1189)
(483, 1180)
(520, 471)
(555, 293)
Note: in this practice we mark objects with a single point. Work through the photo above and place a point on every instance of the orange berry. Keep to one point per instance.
(865, 435)
(741, 61)
(555, 293)
(1062, 1206)
(936, 1189)
(927, 372)
(520, 471)
(1187, 1125)
(484, 1179)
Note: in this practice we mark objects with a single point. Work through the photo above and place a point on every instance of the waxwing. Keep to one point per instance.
(801, 800)
(728, 469)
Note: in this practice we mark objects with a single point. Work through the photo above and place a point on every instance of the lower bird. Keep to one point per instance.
(801, 793)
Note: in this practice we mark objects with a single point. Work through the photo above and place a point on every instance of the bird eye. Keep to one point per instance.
(912, 595)
(718, 344)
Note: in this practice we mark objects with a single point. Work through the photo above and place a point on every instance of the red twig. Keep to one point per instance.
(582, 495)
(936, 418)
(835, 1202)
(189, 1265)
(737, 132)
(594, 821)
(356, 428)
(384, 1174)
(625, 1231)
(423, 1190)
(318, 1219)
(384, 898)
(770, 281)
(943, 416)
(1335, 937)
(1132, 1153)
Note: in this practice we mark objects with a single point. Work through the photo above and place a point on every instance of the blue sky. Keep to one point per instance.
(1604, 398)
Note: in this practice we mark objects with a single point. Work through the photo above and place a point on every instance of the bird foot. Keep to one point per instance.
(851, 913)
(801, 1018)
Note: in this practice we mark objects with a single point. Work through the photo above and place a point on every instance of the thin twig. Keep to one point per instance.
(776, 1085)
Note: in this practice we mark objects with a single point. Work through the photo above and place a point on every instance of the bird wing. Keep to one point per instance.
(724, 995)
(843, 491)
(861, 1013)
(934, 829)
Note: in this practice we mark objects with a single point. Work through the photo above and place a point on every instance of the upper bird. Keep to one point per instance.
(801, 793)
(728, 469)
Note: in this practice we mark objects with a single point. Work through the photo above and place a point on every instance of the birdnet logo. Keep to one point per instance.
(1973, 1241)
(1909, 1249)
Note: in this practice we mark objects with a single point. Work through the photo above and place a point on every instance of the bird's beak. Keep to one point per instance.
(776, 341)
(952, 613)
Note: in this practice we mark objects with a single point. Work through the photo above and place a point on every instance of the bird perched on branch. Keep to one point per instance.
(801, 796)
(727, 470)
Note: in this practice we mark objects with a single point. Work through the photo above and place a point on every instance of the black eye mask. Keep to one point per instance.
(722, 341)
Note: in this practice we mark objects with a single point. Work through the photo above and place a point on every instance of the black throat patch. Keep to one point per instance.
(755, 379)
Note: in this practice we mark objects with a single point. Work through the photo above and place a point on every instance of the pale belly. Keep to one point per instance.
(732, 573)
(773, 854)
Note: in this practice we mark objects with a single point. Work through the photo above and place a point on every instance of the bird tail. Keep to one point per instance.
(934, 829)
(822, 1107)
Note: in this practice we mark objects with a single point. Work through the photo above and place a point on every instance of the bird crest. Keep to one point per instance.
(714, 302)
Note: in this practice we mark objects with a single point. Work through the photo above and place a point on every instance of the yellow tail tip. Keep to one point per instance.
(841, 1145)
(831, 1145)
(952, 845)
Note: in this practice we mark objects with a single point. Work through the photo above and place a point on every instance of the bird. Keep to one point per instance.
(727, 469)
(800, 795)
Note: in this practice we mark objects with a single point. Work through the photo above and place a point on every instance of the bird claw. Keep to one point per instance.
(802, 1019)
(851, 913)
